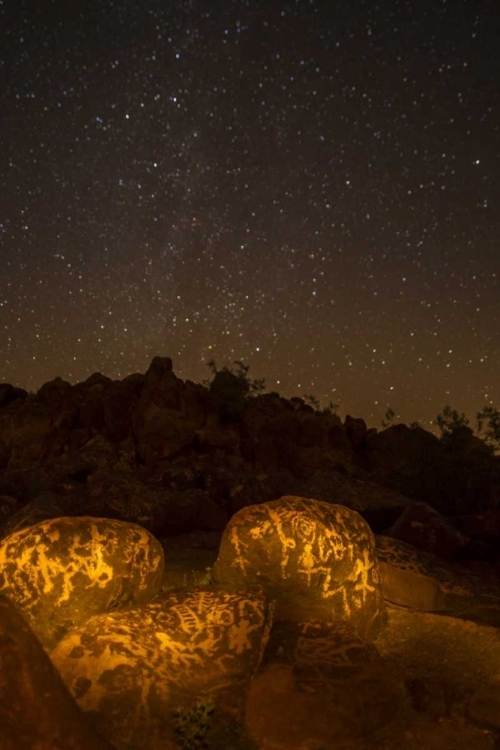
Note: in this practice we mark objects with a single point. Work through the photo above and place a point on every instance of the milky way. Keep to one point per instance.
(309, 187)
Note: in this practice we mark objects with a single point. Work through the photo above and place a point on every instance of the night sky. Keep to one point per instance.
(309, 187)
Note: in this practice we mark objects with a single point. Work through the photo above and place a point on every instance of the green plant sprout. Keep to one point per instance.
(192, 724)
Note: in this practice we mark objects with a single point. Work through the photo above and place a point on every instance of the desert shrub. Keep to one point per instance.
(389, 418)
(231, 387)
(449, 420)
(192, 724)
(488, 425)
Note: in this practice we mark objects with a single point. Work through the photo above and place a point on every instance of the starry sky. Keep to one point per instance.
(309, 187)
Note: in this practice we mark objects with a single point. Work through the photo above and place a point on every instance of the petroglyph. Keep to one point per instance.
(301, 549)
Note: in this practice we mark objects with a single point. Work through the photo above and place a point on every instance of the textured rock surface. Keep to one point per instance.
(420, 580)
(426, 529)
(319, 684)
(315, 559)
(36, 710)
(131, 669)
(484, 706)
(65, 570)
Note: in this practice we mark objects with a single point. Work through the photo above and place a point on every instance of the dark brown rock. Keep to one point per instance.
(37, 711)
(192, 509)
(426, 529)
(263, 487)
(26, 429)
(9, 393)
(422, 581)
(119, 402)
(456, 475)
(356, 430)
(401, 452)
(378, 505)
(123, 496)
(161, 433)
(43, 507)
(484, 705)
(319, 685)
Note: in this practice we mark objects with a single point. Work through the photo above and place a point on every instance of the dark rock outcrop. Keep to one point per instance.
(36, 708)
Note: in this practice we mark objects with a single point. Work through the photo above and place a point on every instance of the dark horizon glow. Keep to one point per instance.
(311, 188)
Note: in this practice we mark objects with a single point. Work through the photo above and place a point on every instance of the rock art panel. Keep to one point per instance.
(63, 571)
(315, 559)
(131, 669)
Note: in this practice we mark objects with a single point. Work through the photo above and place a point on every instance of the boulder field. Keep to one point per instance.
(181, 567)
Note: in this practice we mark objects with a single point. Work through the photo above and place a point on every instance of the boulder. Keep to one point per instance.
(426, 529)
(63, 571)
(119, 401)
(316, 560)
(121, 495)
(421, 581)
(356, 430)
(378, 505)
(161, 386)
(130, 670)
(269, 443)
(404, 457)
(261, 488)
(161, 433)
(10, 393)
(36, 708)
(319, 685)
(8, 507)
(44, 507)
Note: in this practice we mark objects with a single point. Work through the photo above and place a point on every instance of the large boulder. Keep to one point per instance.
(36, 708)
(63, 571)
(130, 670)
(316, 560)
(269, 437)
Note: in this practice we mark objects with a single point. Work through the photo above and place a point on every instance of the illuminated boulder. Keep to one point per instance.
(36, 709)
(130, 670)
(63, 571)
(316, 560)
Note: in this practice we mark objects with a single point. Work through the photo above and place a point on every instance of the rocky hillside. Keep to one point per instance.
(174, 456)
